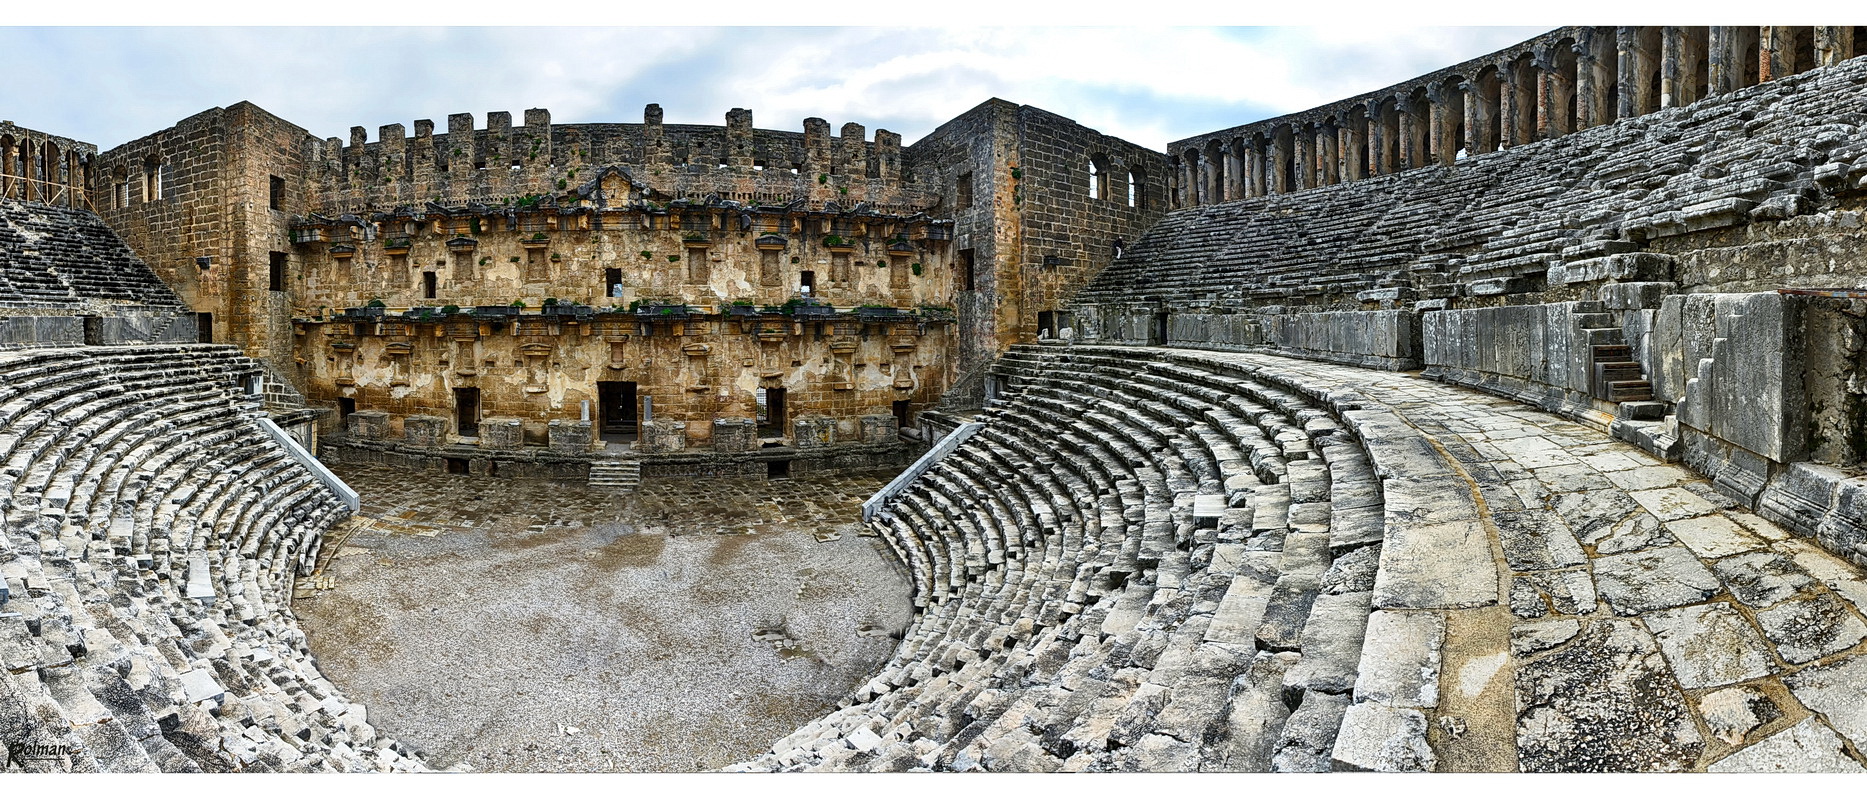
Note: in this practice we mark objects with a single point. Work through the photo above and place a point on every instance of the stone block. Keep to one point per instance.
(502, 433)
(880, 429)
(424, 431)
(735, 434)
(1627, 296)
(663, 436)
(812, 431)
(367, 425)
(570, 435)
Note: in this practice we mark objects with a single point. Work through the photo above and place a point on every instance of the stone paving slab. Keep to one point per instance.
(1652, 608)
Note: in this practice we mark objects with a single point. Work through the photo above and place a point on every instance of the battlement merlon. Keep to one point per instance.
(736, 161)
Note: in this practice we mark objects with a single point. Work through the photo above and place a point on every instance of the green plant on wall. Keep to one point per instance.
(484, 260)
(450, 309)
(514, 259)
(822, 179)
(518, 304)
(672, 259)
(647, 255)
(915, 268)
(377, 302)
(474, 225)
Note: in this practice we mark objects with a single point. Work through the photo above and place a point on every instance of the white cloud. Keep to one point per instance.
(1149, 85)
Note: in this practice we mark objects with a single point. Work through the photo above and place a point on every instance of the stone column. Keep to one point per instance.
(1673, 77)
(1547, 92)
(1234, 174)
(1726, 63)
(1327, 156)
(1351, 139)
(1635, 71)
(1408, 134)
(1254, 168)
(1833, 43)
(1305, 158)
(1280, 178)
(1590, 94)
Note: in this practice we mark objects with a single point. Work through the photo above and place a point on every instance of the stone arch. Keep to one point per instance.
(1645, 95)
(1792, 50)
(9, 181)
(1386, 124)
(1188, 172)
(1352, 130)
(1447, 119)
(1212, 172)
(1137, 188)
(1597, 79)
(1559, 78)
(1484, 104)
(1283, 160)
(1520, 125)
(1235, 164)
(1415, 132)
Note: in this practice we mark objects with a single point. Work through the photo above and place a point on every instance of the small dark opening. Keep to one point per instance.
(963, 200)
(277, 272)
(777, 469)
(612, 283)
(1160, 328)
(428, 285)
(771, 413)
(456, 466)
(345, 407)
(1047, 324)
(467, 411)
(204, 327)
(901, 413)
(807, 282)
(277, 196)
(969, 280)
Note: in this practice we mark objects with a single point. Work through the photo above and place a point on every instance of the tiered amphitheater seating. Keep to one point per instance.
(1134, 565)
(59, 256)
(1774, 149)
(150, 533)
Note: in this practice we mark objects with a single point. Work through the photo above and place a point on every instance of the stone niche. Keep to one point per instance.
(663, 436)
(880, 429)
(570, 435)
(735, 434)
(424, 431)
(502, 433)
(367, 424)
(807, 432)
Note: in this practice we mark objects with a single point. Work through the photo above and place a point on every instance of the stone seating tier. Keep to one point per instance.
(150, 533)
(1776, 150)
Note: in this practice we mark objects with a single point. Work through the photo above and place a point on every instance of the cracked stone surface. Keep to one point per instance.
(1603, 703)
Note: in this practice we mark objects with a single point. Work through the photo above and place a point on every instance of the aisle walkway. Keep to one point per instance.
(1637, 620)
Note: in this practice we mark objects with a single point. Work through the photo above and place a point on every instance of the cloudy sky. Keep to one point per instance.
(1147, 85)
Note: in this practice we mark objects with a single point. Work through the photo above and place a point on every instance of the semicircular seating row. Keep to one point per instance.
(150, 533)
(1134, 565)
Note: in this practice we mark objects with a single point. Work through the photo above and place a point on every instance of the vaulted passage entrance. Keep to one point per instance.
(616, 409)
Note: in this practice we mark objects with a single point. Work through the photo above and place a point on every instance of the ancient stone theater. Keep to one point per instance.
(1509, 418)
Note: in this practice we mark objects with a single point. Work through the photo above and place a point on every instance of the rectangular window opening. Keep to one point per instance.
(276, 197)
(964, 192)
(276, 276)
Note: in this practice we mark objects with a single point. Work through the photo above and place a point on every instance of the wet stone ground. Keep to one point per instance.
(504, 625)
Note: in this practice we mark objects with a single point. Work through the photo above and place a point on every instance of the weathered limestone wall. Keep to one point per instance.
(203, 189)
(1026, 222)
(39, 167)
(498, 160)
